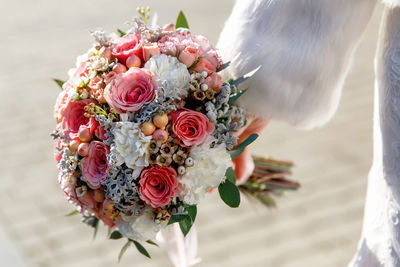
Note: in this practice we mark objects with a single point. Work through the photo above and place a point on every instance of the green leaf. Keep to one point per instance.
(192, 212)
(96, 228)
(230, 175)
(59, 83)
(141, 249)
(121, 32)
(185, 225)
(229, 193)
(181, 21)
(240, 148)
(116, 235)
(72, 213)
(235, 97)
(152, 243)
(176, 218)
(123, 250)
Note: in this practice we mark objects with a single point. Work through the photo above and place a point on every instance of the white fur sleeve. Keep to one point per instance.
(304, 48)
(391, 3)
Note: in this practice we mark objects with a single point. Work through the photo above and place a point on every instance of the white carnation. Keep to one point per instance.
(169, 69)
(131, 144)
(208, 172)
(141, 228)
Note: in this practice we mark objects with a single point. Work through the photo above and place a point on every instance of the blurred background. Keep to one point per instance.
(317, 226)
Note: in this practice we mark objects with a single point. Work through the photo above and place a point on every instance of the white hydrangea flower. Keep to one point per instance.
(141, 228)
(208, 172)
(131, 144)
(169, 69)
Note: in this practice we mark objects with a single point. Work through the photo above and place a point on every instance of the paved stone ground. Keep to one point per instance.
(318, 226)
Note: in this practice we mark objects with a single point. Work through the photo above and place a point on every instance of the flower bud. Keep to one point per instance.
(98, 195)
(85, 135)
(160, 135)
(119, 68)
(106, 53)
(73, 146)
(148, 128)
(133, 61)
(83, 149)
(160, 120)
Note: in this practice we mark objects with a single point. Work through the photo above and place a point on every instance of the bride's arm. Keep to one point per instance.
(305, 49)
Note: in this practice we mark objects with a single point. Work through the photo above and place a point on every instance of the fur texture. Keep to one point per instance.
(305, 49)
(391, 3)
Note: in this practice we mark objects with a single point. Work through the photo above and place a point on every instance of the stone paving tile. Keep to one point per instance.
(317, 226)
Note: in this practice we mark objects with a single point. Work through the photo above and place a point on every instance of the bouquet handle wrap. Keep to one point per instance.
(182, 251)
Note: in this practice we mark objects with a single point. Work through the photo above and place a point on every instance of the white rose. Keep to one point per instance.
(131, 144)
(167, 68)
(208, 172)
(141, 228)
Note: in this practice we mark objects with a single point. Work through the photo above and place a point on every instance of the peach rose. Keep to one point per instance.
(191, 127)
(94, 166)
(74, 119)
(157, 185)
(131, 90)
(61, 103)
(204, 65)
(131, 44)
(188, 56)
(150, 50)
(214, 82)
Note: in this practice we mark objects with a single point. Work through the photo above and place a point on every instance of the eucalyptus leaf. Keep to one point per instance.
(185, 225)
(192, 212)
(96, 228)
(72, 213)
(240, 148)
(181, 21)
(244, 77)
(235, 97)
(60, 83)
(116, 235)
(141, 249)
(230, 175)
(229, 193)
(176, 218)
(121, 32)
(152, 243)
(123, 250)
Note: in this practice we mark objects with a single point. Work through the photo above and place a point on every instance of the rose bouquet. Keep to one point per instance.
(145, 130)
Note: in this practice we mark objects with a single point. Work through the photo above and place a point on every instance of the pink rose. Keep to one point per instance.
(100, 133)
(214, 82)
(191, 127)
(131, 90)
(150, 50)
(58, 144)
(157, 185)
(188, 56)
(173, 44)
(204, 65)
(74, 119)
(96, 84)
(61, 103)
(94, 166)
(131, 44)
(110, 77)
(81, 71)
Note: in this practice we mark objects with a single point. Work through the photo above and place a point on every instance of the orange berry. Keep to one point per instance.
(83, 149)
(85, 135)
(148, 128)
(160, 120)
(160, 135)
(73, 146)
(133, 61)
